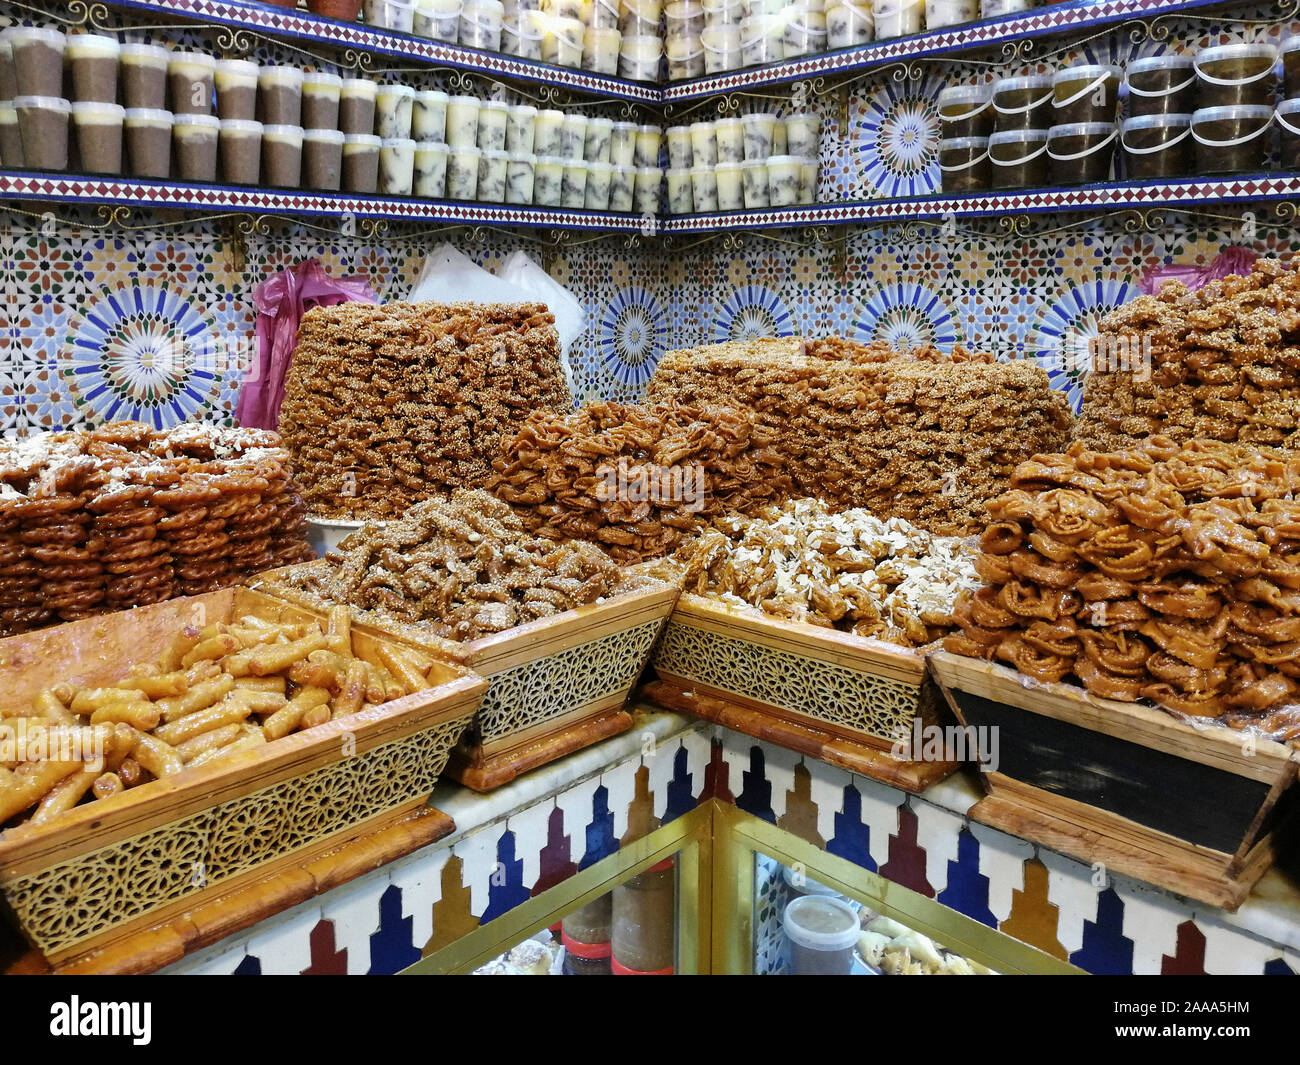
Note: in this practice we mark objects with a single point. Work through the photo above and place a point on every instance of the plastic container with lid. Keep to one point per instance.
(357, 106)
(92, 59)
(548, 180)
(964, 163)
(148, 134)
(493, 167)
(762, 40)
(194, 144)
(1232, 75)
(573, 136)
(680, 153)
(239, 149)
(704, 144)
(480, 24)
(563, 8)
(723, 12)
(760, 134)
(548, 136)
(822, 931)
(429, 177)
(562, 42)
(360, 162)
(1088, 92)
(622, 188)
(783, 174)
(322, 159)
(437, 19)
(1161, 84)
(638, 58)
(966, 111)
(1081, 152)
(282, 156)
(1232, 140)
(521, 128)
(1290, 50)
(1288, 122)
(704, 189)
(396, 166)
(1022, 103)
(398, 15)
(683, 20)
(462, 121)
(599, 177)
(1158, 146)
(600, 45)
(599, 14)
(1018, 159)
(520, 177)
(598, 139)
(99, 135)
(523, 32)
(191, 78)
(807, 181)
(11, 138)
(805, 30)
(573, 186)
(429, 116)
(394, 107)
(762, 7)
(493, 118)
(321, 92)
(622, 144)
(648, 139)
(639, 18)
(38, 61)
(646, 190)
(994, 8)
(685, 59)
(940, 13)
(462, 173)
(143, 73)
(730, 186)
(753, 176)
(729, 136)
(722, 50)
(680, 194)
(897, 18)
(849, 25)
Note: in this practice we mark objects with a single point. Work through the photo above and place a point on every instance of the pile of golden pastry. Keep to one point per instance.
(126, 515)
(1169, 572)
(927, 441)
(217, 691)
(637, 480)
(387, 405)
(1220, 363)
(850, 571)
(459, 568)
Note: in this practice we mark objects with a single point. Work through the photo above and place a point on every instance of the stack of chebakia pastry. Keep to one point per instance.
(217, 691)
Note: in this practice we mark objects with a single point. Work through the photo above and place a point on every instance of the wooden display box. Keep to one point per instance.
(1199, 810)
(107, 868)
(844, 699)
(555, 685)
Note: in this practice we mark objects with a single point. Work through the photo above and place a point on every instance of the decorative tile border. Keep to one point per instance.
(300, 25)
(384, 922)
(70, 188)
(1206, 191)
(1038, 22)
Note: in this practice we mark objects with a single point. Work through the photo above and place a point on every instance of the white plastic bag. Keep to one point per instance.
(570, 318)
(449, 276)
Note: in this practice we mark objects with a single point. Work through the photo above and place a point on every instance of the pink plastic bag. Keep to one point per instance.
(1235, 260)
(281, 301)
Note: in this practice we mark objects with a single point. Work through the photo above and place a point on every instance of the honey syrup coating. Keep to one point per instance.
(460, 567)
(1221, 363)
(928, 437)
(387, 405)
(1183, 587)
(125, 515)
